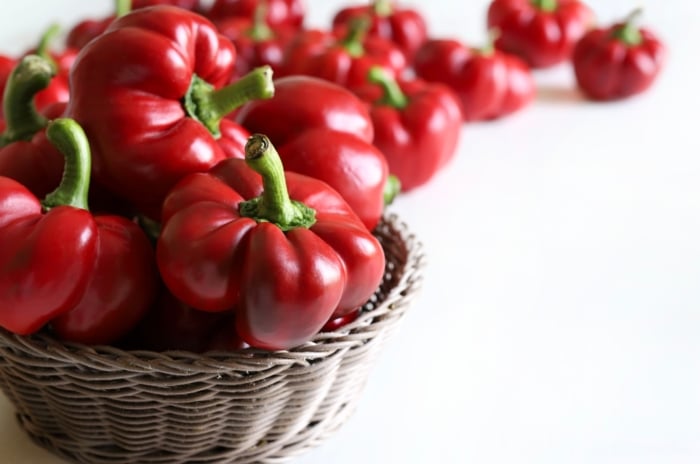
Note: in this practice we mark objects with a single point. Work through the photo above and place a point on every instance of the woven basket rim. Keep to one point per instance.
(321, 346)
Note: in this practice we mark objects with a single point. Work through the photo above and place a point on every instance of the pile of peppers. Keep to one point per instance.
(190, 176)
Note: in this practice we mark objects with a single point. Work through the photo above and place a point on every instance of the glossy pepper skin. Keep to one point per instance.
(405, 27)
(302, 103)
(541, 32)
(279, 13)
(344, 58)
(90, 277)
(144, 138)
(26, 155)
(284, 250)
(490, 84)
(619, 61)
(83, 32)
(416, 125)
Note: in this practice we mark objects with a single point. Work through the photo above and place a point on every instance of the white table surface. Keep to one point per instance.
(560, 317)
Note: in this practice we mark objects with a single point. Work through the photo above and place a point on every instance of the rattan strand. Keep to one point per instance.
(103, 405)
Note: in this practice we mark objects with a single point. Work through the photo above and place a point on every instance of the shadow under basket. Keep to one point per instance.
(106, 405)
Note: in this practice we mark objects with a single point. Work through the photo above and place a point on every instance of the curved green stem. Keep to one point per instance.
(393, 95)
(392, 188)
(260, 30)
(490, 47)
(31, 75)
(545, 5)
(352, 42)
(122, 7)
(209, 106)
(44, 48)
(70, 139)
(274, 205)
(383, 7)
(629, 32)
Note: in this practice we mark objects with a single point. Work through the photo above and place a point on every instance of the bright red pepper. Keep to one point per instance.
(26, 155)
(416, 125)
(257, 43)
(279, 13)
(302, 103)
(405, 27)
(542, 32)
(324, 131)
(92, 277)
(150, 128)
(490, 84)
(284, 250)
(344, 59)
(619, 61)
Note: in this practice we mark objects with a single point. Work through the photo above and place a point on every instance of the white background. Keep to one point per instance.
(560, 318)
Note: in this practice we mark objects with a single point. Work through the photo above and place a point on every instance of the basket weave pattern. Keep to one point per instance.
(106, 405)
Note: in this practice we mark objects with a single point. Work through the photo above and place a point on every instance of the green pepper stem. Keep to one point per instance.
(629, 32)
(70, 139)
(122, 7)
(260, 31)
(44, 48)
(546, 5)
(352, 42)
(393, 95)
(209, 106)
(274, 204)
(383, 7)
(392, 188)
(490, 47)
(31, 75)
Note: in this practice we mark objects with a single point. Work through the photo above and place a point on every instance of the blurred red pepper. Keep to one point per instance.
(26, 155)
(490, 84)
(257, 43)
(405, 27)
(92, 277)
(284, 250)
(344, 59)
(150, 128)
(542, 32)
(324, 131)
(278, 13)
(83, 32)
(416, 125)
(618, 61)
(302, 103)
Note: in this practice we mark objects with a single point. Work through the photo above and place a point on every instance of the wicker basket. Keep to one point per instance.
(106, 405)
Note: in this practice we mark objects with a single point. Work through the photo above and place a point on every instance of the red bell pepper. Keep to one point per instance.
(278, 13)
(284, 250)
(302, 103)
(150, 128)
(405, 27)
(344, 59)
(92, 277)
(490, 84)
(257, 43)
(416, 125)
(619, 61)
(542, 32)
(25, 153)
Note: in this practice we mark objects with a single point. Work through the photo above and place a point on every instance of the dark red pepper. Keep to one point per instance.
(344, 59)
(416, 125)
(150, 128)
(284, 250)
(619, 61)
(490, 84)
(541, 32)
(405, 27)
(92, 277)
(278, 13)
(257, 43)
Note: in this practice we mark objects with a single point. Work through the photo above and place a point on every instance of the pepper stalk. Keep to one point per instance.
(629, 32)
(545, 5)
